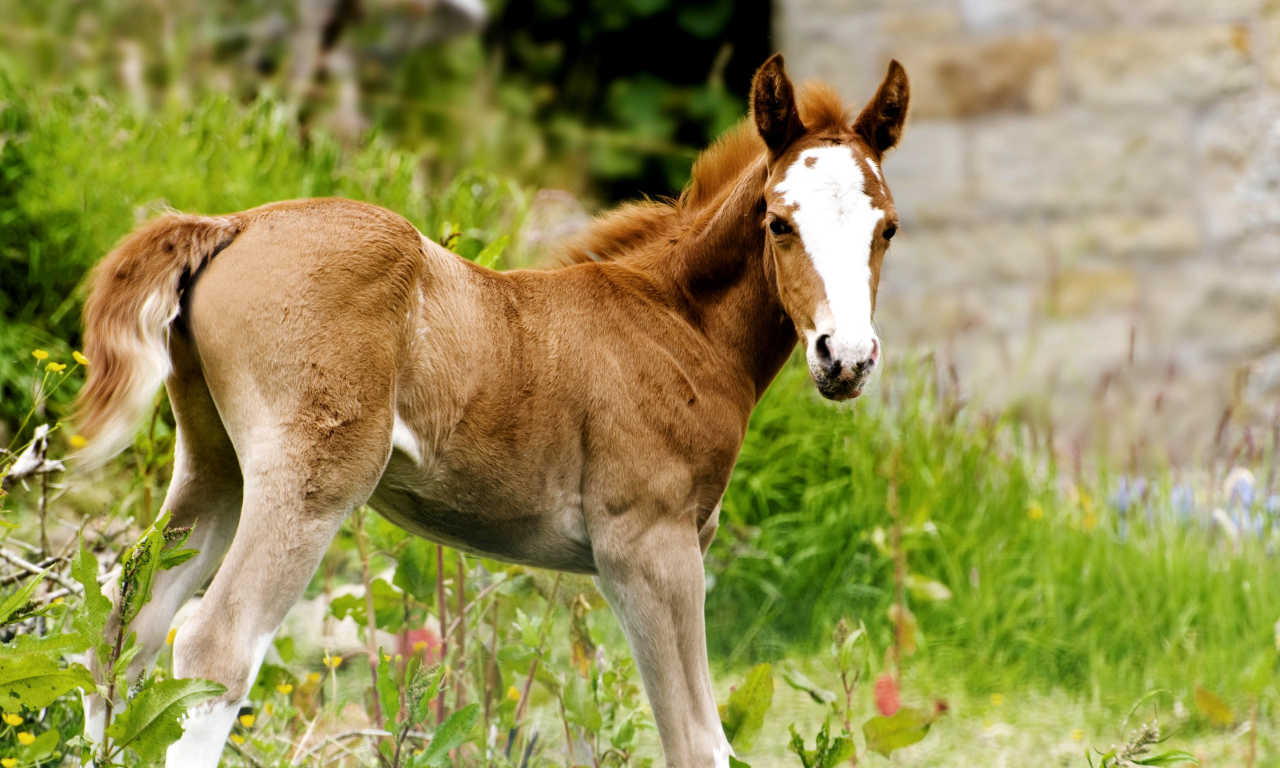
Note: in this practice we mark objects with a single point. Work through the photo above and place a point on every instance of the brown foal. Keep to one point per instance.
(321, 354)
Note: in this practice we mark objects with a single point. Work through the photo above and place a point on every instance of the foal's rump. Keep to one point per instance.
(305, 304)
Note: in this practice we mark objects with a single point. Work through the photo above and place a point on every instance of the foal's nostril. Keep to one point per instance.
(875, 351)
(822, 348)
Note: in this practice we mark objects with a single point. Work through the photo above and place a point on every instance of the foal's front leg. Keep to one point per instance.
(653, 580)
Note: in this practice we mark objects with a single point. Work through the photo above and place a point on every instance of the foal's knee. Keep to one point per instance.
(205, 649)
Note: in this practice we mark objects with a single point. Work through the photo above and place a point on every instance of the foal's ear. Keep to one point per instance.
(881, 121)
(773, 105)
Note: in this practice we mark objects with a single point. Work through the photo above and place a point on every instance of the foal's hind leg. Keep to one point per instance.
(293, 506)
(205, 492)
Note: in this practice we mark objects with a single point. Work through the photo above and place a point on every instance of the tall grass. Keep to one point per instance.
(77, 173)
(1055, 584)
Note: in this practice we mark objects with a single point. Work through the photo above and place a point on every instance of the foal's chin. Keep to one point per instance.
(839, 389)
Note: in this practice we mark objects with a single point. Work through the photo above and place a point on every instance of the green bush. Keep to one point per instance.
(77, 173)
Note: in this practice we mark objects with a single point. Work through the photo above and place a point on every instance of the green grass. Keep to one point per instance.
(77, 173)
(1048, 592)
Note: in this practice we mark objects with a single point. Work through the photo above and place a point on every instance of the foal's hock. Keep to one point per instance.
(322, 354)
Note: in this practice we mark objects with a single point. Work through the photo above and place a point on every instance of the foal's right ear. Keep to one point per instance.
(773, 105)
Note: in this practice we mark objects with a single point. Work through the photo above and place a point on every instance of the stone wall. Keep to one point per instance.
(1090, 199)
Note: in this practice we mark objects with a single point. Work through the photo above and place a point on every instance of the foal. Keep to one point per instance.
(321, 354)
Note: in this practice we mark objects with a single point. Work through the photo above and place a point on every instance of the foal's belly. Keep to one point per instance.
(545, 533)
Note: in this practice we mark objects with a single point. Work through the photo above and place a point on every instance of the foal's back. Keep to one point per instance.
(490, 410)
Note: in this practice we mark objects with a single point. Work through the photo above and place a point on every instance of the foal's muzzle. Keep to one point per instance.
(841, 370)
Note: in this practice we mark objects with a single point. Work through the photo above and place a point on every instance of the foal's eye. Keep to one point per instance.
(889, 232)
(779, 227)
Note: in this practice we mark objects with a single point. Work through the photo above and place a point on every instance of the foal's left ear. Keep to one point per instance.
(882, 120)
(773, 105)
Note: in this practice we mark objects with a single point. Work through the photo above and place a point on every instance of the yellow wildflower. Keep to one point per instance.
(78, 441)
(237, 738)
(59, 600)
(55, 367)
(313, 677)
(79, 358)
(247, 720)
(268, 709)
(332, 662)
(1077, 735)
(419, 646)
(168, 640)
(513, 693)
(416, 752)
(8, 762)
(40, 354)
(386, 657)
(25, 738)
(10, 719)
(1035, 511)
(285, 688)
(996, 700)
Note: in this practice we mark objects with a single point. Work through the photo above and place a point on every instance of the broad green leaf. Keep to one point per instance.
(42, 747)
(18, 599)
(422, 690)
(450, 735)
(416, 570)
(927, 589)
(388, 606)
(1213, 707)
(855, 651)
(736, 763)
(284, 647)
(151, 722)
(743, 716)
(1174, 757)
(143, 561)
(72, 642)
(906, 727)
(35, 680)
(796, 679)
(91, 616)
(839, 750)
(388, 692)
(580, 704)
(493, 251)
(529, 633)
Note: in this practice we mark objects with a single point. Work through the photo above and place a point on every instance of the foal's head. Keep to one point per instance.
(829, 217)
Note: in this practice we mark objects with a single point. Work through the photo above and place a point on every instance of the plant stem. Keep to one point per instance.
(105, 751)
(441, 610)
(371, 617)
(460, 694)
(533, 667)
(44, 503)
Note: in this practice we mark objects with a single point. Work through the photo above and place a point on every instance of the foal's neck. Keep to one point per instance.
(718, 270)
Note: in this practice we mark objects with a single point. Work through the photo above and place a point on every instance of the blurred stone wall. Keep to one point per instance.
(1090, 199)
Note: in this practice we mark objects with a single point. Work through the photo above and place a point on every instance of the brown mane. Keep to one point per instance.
(625, 229)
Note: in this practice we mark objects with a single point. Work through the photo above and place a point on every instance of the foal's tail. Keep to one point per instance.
(134, 296)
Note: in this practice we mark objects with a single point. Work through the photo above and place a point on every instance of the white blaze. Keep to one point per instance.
(836, 221)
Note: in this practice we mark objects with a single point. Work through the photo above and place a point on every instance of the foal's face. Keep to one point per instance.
(829, 217)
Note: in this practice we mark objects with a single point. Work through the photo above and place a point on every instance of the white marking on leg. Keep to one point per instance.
(204, 732)
(836, 221)
(205, 728)
(722, 753)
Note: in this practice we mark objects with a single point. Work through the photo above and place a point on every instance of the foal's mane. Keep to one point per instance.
(623, 230)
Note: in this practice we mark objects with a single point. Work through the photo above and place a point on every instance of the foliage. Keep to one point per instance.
(78, 173)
